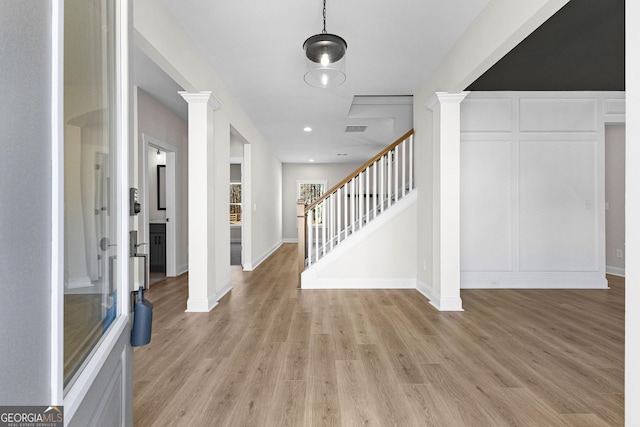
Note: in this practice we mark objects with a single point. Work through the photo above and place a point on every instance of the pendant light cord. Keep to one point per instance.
(324, 16)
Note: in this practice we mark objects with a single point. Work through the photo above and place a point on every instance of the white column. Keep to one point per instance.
(632, 230)
(202, 286)
(446, 200)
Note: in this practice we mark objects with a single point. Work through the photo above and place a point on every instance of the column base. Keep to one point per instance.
(447, 304)
(201, 305)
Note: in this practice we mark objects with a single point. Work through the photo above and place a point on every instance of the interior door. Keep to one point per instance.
(97, 371)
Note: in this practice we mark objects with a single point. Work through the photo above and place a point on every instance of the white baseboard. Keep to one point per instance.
(182, 269)
(253, 266)
(550, 282)
(290, 240)
(315, 283)
(615, 271)
(78, 282)
(225, 290)
(424, 289)
(201, 305)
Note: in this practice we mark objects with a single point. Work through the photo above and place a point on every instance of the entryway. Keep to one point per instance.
(159, 207)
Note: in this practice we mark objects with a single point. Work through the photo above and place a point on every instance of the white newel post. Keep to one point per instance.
(202, 278)
(446, 200)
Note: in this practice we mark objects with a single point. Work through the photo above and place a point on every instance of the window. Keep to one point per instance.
(235, 203)
(310, 191)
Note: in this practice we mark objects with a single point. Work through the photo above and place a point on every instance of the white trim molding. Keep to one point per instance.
(374, 283)
(445, 98)
(201, 97)
(542, 282)
(446, 303)
(225, 290)
(521, 153)
(202, 305)
(441, 304)
(182, 269)
(616, 271)
(261, 258)
(424, 289)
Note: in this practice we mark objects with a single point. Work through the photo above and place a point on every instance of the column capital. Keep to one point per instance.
(445, 98)
(201, 98)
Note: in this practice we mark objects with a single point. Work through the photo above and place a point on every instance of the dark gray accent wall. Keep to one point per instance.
(580, 48)
(25, 202)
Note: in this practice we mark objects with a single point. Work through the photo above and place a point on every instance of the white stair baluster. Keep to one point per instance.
(352, 205)
(383, 188)
(404, 168)
(389, 175)
(411, 162)
(315, 227)
(309, 238)
(360, 199)
(346, 210)
(375, 190)
(323, 218)
(395, 167)
(331, 200)
(367, 193)
(338, 215)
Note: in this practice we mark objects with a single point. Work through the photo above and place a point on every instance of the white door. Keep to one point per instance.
(97, 359)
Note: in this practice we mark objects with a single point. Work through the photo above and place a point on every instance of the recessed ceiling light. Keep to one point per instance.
(307, 129)
(311, 160)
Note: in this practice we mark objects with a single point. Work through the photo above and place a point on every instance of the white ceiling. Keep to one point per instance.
(256, 49)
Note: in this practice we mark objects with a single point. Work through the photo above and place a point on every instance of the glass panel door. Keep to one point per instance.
(90, 176)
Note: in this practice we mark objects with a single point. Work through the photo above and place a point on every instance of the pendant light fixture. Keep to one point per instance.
(325, 57)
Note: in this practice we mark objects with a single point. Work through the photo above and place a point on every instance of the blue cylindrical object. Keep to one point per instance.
(142, 316)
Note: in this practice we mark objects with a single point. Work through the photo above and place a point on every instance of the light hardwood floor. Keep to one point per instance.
(272, 355)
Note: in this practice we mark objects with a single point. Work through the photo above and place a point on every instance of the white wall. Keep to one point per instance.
(265, 203)
(333, 173)
(160, 37)
(532, 188)
(29, 283)
(237, 147)
(154, 120)
(614, 198)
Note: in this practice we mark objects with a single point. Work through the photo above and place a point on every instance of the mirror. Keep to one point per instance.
(162, 199)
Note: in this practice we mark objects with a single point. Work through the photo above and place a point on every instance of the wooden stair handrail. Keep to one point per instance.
(359, 170)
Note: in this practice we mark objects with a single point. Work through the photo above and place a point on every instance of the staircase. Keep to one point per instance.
(355, 202)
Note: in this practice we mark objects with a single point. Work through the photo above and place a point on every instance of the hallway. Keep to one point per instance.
(272, 355)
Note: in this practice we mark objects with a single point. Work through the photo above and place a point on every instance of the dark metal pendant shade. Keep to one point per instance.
(334, 47)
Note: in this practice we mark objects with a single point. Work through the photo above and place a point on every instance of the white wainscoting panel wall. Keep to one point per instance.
(532, 188)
